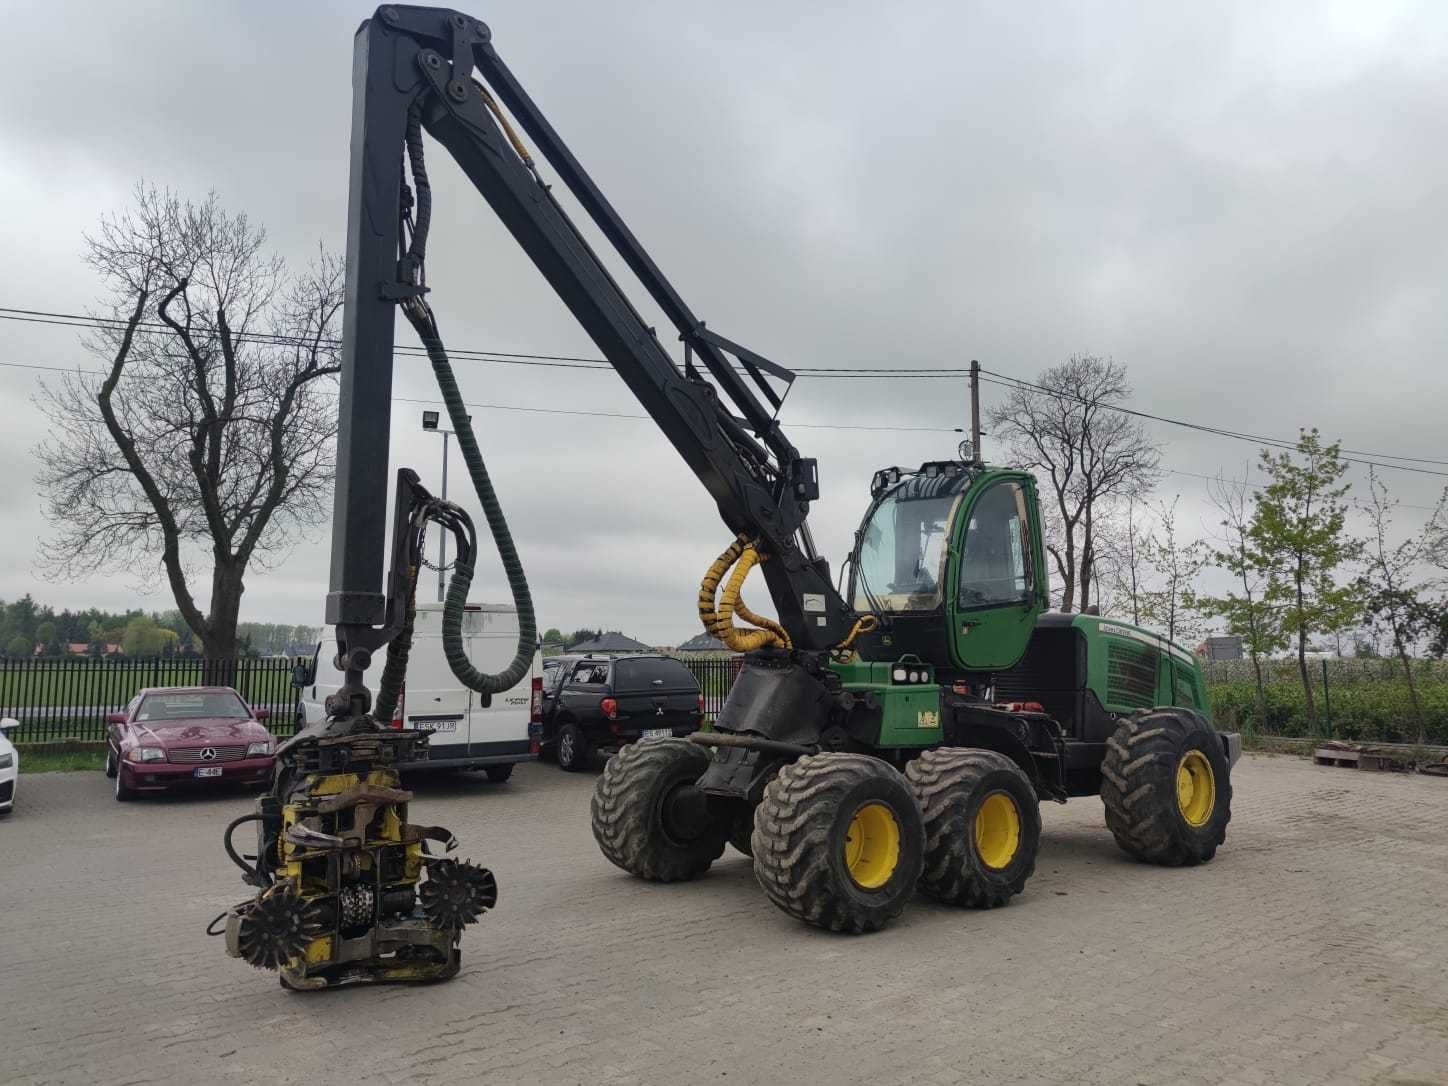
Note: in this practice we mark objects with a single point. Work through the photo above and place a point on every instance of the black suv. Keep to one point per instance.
(600, 703)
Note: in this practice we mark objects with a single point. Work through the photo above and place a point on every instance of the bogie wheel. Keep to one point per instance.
(838, 841)
(1167, 787)
(982, 825)
(575, 753)
(648, 816)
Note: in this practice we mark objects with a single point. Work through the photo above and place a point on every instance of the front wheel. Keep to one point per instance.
(1167, 787)
(110, 762)
(650, 819)
(124, 792)
(982, 825)
(838, 842)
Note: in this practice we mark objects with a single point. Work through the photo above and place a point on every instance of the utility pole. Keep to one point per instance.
(975, 412)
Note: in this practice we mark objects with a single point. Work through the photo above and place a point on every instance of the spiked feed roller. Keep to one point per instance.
(457, 893)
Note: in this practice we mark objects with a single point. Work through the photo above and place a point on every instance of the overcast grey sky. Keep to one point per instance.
(1244, 203)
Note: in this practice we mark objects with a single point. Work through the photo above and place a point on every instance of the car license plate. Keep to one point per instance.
(207, 771)
(658, 733)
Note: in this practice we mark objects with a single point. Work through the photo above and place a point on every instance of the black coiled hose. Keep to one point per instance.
(462, 577)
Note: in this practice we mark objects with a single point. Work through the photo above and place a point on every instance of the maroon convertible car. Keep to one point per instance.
(176, 735)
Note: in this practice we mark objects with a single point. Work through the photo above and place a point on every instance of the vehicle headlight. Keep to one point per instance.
(257, 749)
(147, 754)
(900, 675)
(6, 761)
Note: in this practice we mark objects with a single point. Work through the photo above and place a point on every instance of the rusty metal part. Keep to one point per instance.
(749, 742)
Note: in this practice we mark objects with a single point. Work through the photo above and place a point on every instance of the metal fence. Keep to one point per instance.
(716, 673)
(68, 697)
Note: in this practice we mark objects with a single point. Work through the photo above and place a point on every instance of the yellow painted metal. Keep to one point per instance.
(872, 845)
(1196, 788)
(319, 950)
(997, 830)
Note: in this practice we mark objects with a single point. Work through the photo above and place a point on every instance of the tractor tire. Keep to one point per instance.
(982, 825)
(646, 822)
(575, 752)
(1167, 787)
(838, 842)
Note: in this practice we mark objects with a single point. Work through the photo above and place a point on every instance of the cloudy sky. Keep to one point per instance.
(1244, 203)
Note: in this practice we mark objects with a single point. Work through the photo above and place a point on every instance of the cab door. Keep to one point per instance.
(998, 572)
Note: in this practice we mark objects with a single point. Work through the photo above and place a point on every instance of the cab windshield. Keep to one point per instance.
(901, 561)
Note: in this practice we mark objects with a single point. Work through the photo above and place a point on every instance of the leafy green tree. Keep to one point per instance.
(1298, 530)
(143, 637)
(18, 646)
(553, 636)
(1392, 592)
(1244, 609)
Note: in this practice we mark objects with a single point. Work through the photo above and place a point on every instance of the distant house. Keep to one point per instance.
(703, 642)
(611, 642)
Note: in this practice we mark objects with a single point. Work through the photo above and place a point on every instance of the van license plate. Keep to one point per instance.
(658, 733)
(207, 771)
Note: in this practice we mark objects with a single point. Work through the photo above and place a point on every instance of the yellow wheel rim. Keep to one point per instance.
(1196, 788)
(997, 830)
(872, 846)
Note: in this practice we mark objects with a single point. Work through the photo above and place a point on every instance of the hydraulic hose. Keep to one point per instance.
(462, 578)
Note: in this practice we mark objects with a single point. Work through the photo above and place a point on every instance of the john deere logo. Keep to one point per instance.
(927, 718)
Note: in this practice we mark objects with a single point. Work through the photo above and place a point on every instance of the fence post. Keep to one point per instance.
(1326, 701)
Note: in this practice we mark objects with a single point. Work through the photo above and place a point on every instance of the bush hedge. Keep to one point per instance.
(1363, 707)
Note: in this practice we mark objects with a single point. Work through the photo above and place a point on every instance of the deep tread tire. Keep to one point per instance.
(950, 784)
(799, 834)
(575, 753)
(629, 812)
(1138, 786)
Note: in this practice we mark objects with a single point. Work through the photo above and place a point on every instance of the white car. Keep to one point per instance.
(9, 765)
(466, 734)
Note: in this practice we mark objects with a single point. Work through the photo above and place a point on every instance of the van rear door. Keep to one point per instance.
(498, 732)
(655, 692)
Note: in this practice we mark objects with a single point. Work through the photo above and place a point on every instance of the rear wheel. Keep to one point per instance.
(982, 825)
(1167, 788)
(650, 819)
(499, 773)
(575, 753)
(838, 841)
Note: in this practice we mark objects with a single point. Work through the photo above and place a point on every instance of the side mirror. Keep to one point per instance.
(8, 723)
(115, 718)
(261, 714)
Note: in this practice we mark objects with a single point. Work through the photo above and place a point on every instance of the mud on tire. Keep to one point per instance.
(631, 806)
(1141, 787)
(982, 825)
(802, 841)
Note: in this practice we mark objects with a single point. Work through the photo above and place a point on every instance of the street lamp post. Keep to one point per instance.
(430, 424)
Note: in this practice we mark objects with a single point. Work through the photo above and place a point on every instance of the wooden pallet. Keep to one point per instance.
(1383, 758)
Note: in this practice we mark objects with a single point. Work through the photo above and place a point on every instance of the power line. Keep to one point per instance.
(1256, 439)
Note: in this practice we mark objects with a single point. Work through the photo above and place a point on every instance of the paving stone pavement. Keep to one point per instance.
(1313, 949)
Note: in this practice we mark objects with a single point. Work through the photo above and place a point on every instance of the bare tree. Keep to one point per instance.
(1394, 597)
(1126, 541)
(207, 444)
(1177, 562)
(1066, 427)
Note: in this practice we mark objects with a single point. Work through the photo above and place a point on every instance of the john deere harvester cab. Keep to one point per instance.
(877, 737)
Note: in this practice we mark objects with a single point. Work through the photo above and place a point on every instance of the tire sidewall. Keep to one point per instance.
(895, 794)
(570, 740)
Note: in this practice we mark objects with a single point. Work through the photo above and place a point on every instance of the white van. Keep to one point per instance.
(465, 734)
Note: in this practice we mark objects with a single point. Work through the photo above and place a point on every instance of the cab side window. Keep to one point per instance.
(995, 561)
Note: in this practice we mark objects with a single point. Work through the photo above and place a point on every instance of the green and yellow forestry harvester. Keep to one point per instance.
(900, 733)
